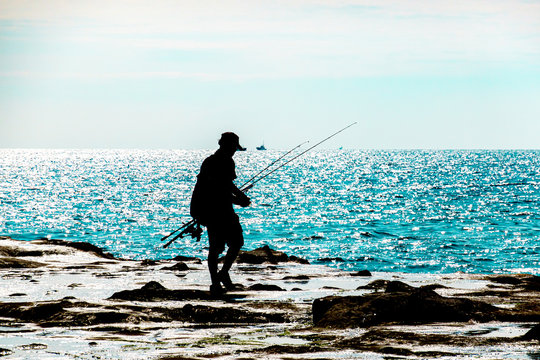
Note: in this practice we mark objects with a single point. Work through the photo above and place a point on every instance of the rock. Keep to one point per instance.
(374, 285)
(83, 246)
(180, 266)
(154, 291)
(525, 281)
(10, 251)
(365, 273)
(209, 314)
(148, 262)
(265, 287)
(398, 286)
(153, 286)
(266, 255)
(503, 279)
(5, 352)
(58, 314)
(533, 334)
(400, 304)
(187, 258)
(296, 278)
(298, 260)
(532, 283)
(15, 263)
(32, 346)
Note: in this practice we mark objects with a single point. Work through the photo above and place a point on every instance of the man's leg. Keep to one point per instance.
(213, 255)
(235, 244)
(232, 254)
(215, 248)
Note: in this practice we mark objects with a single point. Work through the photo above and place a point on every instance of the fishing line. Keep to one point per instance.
(281, 157)
(246, 188)
(193, 227)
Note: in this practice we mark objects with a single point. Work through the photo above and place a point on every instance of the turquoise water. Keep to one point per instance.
(411, 211)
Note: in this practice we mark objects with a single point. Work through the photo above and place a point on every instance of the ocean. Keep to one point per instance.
(392, 211)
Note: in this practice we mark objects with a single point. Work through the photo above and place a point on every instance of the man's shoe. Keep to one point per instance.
(226, 280)
(217, 290)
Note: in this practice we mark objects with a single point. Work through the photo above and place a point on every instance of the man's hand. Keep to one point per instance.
(242, 200)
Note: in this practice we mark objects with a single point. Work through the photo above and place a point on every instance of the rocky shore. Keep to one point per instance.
(72, 300)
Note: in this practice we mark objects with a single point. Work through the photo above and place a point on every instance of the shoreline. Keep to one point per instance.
(69, 300)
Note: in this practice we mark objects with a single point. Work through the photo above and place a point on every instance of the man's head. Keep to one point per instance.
(230, 142)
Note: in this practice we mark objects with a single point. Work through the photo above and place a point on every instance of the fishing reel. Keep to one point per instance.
(194, 230)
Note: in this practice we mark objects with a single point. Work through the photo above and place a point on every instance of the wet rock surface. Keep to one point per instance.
(405, 304)
(154, 291)
(533, 334)
(267, 255)
(16, 263)
(282, 308)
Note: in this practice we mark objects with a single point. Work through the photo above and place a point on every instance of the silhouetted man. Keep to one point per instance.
(212, 206)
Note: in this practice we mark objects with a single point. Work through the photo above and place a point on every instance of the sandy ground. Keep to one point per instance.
(59, 302)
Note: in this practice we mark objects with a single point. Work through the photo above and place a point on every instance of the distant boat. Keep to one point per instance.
(261, 147)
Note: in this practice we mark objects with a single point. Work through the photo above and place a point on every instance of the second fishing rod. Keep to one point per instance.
(193, 228)
(186, 226)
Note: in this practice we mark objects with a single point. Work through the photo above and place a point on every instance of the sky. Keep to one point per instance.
(163, 74)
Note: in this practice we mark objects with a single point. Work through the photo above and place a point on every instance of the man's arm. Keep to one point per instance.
(239, 198)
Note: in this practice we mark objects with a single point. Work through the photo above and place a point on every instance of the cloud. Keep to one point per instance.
(270, 39)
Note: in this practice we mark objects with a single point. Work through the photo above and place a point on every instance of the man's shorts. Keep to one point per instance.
(226, 230)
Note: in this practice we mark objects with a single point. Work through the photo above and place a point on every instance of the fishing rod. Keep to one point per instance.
(192, 222)
(296, 157)
(281, 157)
(180, 228)
(193, 227)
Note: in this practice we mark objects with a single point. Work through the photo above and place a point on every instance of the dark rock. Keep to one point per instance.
(433, 287)
(120, 330)
(44, 311)
(398, 286)
(33, 346)
(153, 286)
(365, 273)
(5, 352)
(296, 277)
(374, 285)
(148, 262)
(154, 291)
(265, 287)
(291, 349)
(395, 351)
(511, 280)
(525, 281)
(15, 252)
(532, 283)
(402, 305)
(298, 260)
(180, 266)
(83, 246)
(266, 255)
(209, 314)
(17, 294)
(15, 263)
(533, 334)
(187, 258)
